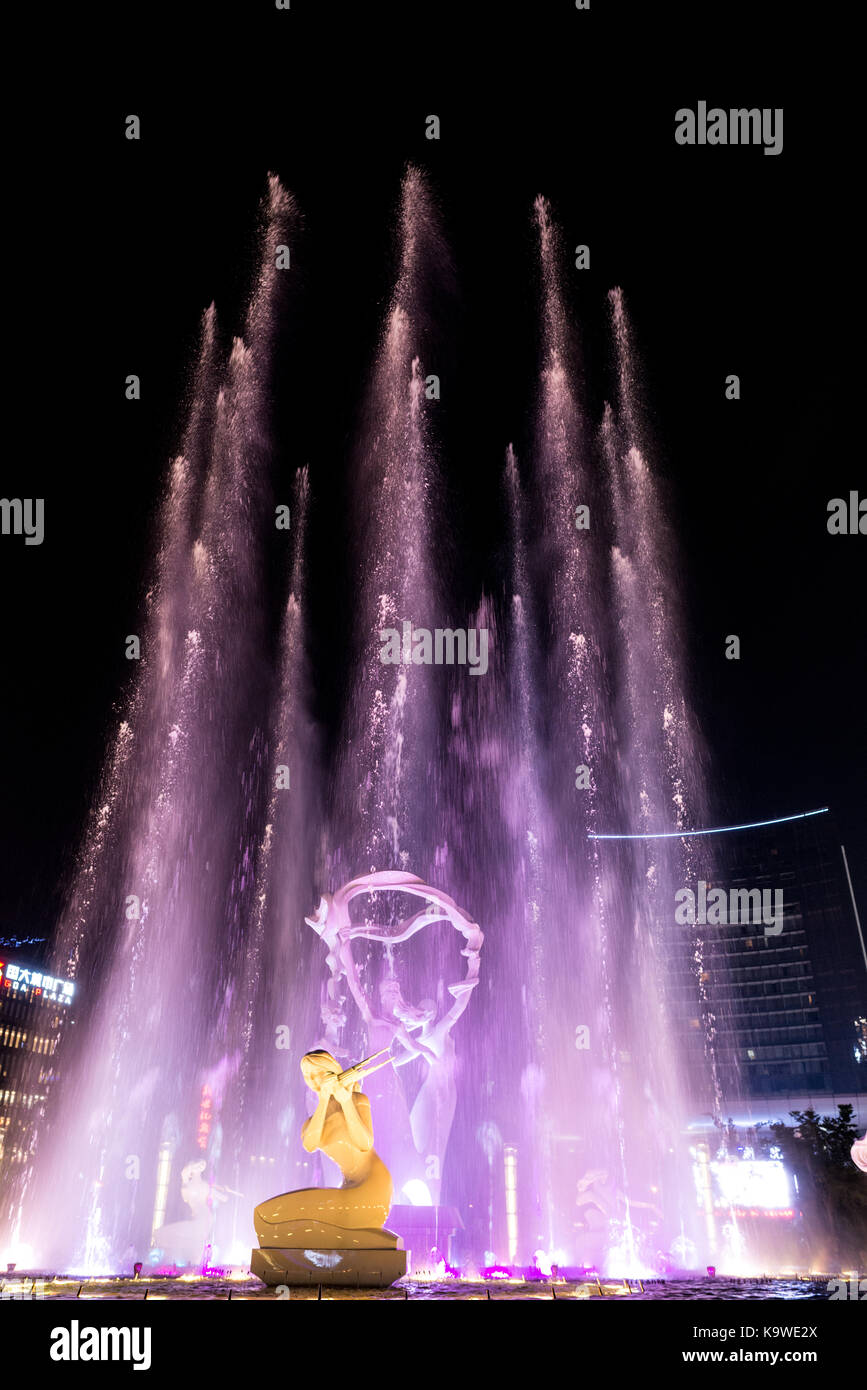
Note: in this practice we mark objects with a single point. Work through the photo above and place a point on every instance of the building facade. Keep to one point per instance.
(786, 1002)
(34, 1008)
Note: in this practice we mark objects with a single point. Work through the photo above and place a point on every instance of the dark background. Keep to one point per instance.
(731, 261)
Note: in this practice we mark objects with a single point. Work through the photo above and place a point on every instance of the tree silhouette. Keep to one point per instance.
(832, 1192)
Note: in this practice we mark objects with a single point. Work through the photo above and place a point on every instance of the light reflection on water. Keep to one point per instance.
(452, 1289)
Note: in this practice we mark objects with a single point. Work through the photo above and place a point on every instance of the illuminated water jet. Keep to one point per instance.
(536, 1110)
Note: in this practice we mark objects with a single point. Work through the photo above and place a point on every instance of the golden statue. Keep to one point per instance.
(333, 1234)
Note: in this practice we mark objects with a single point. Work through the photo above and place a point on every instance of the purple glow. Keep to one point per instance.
(186, 921)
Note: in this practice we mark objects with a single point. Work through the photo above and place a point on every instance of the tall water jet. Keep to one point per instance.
(623, 756)
(383, 801)
(663, 767)
(86, 936)
(525, 800)
(569, 608)
(479, 852)
(386, 744)
(277, 1017)
(152, 931)
(540, 1089)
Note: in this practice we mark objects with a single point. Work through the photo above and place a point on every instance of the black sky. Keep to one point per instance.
(731, 261)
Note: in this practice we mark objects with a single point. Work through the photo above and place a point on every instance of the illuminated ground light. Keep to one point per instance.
(164, 1168)
(510, 1163)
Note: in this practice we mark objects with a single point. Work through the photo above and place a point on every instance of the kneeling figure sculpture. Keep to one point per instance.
(332, 1235)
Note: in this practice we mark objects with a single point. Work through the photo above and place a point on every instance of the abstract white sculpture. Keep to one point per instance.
(420, 1141)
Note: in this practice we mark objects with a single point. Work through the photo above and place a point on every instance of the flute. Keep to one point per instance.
(361, 1069)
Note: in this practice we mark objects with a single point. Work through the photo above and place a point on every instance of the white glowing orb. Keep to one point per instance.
(17, 1254)
(417, 1192)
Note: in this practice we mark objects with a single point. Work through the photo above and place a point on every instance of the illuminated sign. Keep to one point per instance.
(22, 980)
(754, 1186)
(205, 1116)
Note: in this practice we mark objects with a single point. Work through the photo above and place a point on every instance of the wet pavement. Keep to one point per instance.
(247, 1289)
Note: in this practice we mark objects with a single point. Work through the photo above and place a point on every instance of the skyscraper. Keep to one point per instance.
(788, 1003)
(34, 1007)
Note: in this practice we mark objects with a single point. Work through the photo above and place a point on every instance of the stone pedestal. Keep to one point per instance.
(314, 1252)
(353, 1268)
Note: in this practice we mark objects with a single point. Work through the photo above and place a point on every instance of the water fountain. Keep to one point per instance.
(535, 1105)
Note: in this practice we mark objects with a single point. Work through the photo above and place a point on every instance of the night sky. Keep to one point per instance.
(730, 260)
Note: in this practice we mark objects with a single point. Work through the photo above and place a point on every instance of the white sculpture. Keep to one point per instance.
(418, 1138)
(183, 1243)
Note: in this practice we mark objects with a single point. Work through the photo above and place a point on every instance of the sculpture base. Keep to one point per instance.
(347, 1268)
